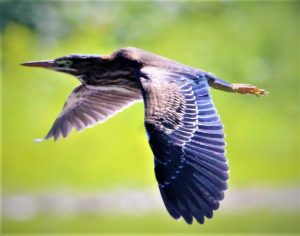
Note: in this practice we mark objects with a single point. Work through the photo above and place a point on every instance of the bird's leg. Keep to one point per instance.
(248, 89)
(236, 88)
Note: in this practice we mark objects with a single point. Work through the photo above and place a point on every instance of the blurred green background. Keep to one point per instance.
(241, 42)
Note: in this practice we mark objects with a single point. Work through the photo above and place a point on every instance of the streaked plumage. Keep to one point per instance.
(184, 130)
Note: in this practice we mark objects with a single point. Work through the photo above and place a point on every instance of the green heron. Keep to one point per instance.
(184, 130)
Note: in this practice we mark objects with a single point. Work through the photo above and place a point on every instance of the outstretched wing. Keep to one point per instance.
(87, 106)
(187, 140)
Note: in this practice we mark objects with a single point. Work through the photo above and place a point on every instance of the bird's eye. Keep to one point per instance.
(64, 63)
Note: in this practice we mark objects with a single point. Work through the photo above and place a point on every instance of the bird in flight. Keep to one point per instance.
(184, 130)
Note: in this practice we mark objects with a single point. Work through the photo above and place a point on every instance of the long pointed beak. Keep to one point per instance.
(44, 64)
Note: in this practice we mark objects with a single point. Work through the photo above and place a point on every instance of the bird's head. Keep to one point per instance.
(74, 64)
(123, 62)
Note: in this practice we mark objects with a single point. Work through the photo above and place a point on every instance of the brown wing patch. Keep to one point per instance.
(164, 108)
(164, 103)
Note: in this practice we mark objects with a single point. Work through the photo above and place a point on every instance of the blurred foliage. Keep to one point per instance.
(241, 42)
(267, 223)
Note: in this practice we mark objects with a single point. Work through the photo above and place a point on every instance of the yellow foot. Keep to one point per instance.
(249, 89)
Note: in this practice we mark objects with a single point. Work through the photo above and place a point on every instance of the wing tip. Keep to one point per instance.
(54, 135)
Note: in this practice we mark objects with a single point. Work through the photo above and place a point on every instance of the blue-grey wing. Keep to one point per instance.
(187, 140)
